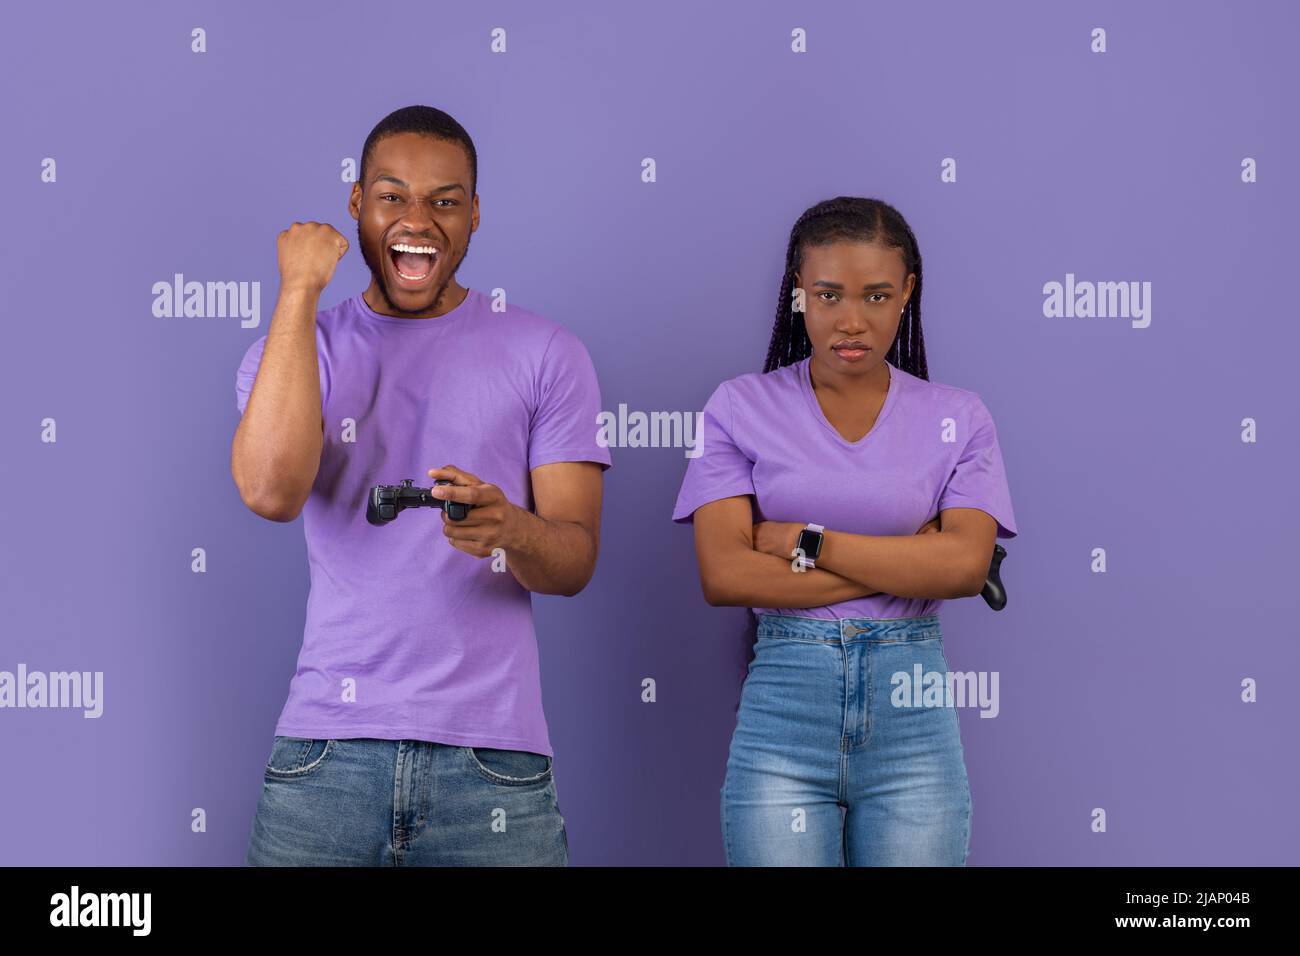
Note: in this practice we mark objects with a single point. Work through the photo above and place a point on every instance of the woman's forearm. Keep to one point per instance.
(747, 578)
(933, 566)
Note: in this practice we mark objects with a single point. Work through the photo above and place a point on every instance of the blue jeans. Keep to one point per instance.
(824, 769)
(369, 802)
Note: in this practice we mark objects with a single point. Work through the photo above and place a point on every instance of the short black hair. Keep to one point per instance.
(427, 121)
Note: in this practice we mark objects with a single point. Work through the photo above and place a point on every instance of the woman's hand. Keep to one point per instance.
(782, 537)
(777, 537)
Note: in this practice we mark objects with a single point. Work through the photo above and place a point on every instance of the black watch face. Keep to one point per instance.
(810, 543)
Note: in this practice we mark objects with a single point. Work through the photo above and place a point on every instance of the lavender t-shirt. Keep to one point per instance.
(932, 447)
(406, 637)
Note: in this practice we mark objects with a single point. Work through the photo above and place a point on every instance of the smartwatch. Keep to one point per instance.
(810, 543)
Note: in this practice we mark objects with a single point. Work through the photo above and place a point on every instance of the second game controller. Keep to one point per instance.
(994, 593)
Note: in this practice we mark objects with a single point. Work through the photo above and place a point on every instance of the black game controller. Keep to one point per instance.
(386, 501)
(994, 593)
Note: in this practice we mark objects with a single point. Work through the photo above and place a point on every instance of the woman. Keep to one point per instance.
(842, 496)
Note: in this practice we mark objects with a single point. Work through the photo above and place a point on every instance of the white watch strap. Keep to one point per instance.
(804, 561)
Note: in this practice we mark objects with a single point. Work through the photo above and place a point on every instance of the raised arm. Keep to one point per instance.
(277, 446)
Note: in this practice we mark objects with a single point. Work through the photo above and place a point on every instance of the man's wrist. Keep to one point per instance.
(518, 528)
(301, 289)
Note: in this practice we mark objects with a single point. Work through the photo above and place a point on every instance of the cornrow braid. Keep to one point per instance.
(857, 220)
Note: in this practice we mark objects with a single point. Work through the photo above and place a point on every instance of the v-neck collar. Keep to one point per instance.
(805, 381)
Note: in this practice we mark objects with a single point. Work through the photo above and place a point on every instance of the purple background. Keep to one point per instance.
(1118, 690)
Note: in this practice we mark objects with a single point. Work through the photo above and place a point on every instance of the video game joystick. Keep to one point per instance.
(386, 501)
(994, 593)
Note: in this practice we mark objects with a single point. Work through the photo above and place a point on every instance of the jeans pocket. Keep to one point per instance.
(296, 757)
(509, 767)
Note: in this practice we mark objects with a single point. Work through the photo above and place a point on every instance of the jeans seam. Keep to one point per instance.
(726, 828)
(871, 696)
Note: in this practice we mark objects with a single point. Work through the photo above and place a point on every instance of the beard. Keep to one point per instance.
(381, 277)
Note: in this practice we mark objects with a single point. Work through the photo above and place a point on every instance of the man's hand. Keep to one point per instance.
(308, 253)
(491, 522)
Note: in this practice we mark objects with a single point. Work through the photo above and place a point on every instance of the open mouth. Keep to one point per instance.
(413, 264)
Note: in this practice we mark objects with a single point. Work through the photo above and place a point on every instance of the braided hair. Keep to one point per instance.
(858, 220)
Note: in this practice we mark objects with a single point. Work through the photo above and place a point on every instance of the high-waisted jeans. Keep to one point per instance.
(370, 802)
(824, 768)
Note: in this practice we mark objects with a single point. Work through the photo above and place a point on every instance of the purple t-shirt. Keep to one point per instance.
(407, 637)
(932, 447)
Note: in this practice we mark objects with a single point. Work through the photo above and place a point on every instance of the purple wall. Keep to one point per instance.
(1119, 690)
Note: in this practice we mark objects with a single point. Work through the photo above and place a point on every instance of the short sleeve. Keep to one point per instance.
(721, 470)
(248, 373)
(564, 425)
(252, 360)
(979, 479)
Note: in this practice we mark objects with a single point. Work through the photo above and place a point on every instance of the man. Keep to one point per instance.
(414, 733)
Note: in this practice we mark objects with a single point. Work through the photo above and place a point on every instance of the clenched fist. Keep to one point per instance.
(308, 252)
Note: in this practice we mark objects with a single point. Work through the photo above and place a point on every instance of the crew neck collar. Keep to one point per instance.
(455, 316)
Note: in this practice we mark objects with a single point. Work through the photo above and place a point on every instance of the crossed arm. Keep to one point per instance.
(749, 565)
